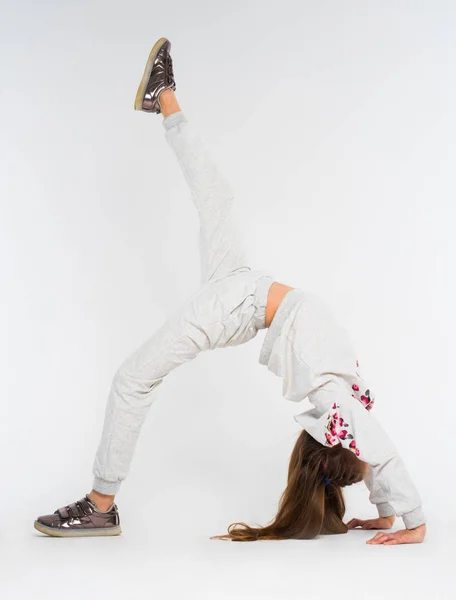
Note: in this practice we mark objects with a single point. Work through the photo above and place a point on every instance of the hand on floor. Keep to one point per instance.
(378, 523)
(403, 536)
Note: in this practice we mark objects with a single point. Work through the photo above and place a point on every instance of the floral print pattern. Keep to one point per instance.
(337, 428)
(365, 398)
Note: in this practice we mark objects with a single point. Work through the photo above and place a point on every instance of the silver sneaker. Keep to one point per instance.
(158, 76)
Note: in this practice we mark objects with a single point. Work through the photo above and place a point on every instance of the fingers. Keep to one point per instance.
(356, 523)
(353, 523)
(379, 538)
(383, 538)
(368, 524)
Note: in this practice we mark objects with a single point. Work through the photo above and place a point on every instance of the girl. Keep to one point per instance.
(341, 442)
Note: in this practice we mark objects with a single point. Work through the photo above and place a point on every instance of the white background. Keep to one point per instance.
(335, 124)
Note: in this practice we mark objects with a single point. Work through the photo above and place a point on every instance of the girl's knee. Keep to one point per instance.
(130, 383)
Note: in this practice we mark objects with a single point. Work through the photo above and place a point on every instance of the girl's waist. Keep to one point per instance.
(289, 302)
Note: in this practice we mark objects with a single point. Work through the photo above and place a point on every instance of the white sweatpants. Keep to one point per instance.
(228, 309)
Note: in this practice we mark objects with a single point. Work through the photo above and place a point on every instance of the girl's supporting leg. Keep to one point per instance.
(135, 387)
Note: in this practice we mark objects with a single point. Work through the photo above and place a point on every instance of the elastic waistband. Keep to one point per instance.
(261, 300)
(290, 299)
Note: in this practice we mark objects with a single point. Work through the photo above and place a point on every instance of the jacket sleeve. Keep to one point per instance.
(377, 496)
(340, 418)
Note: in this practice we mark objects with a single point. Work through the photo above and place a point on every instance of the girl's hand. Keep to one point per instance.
(404, 536)
(379, 523)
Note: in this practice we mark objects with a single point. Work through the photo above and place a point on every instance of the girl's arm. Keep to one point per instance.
(341, 418)
(376, 495)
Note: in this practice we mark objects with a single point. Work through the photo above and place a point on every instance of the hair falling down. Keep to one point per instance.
(308, 507)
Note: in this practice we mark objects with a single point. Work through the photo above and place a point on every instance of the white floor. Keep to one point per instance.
(144, 562)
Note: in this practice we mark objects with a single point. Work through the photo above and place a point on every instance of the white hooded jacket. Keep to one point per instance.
(315, 357)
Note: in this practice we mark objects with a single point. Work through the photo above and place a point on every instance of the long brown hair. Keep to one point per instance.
(308, 507)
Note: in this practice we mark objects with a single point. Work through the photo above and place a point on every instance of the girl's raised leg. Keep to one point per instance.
(221, 239)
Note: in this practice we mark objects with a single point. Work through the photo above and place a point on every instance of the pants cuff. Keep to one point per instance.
(174, 119)
(106, 487)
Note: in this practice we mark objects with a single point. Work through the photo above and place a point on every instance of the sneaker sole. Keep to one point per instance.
(147, 71)
(115, 530)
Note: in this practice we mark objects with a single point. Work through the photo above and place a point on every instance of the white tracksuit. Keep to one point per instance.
(302, 343)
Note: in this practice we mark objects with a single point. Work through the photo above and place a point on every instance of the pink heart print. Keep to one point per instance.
(337, 428)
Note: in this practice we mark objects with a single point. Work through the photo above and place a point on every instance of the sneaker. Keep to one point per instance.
(158, 76)
(81, 518)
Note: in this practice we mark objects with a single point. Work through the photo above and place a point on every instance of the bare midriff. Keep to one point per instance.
(276, 294)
